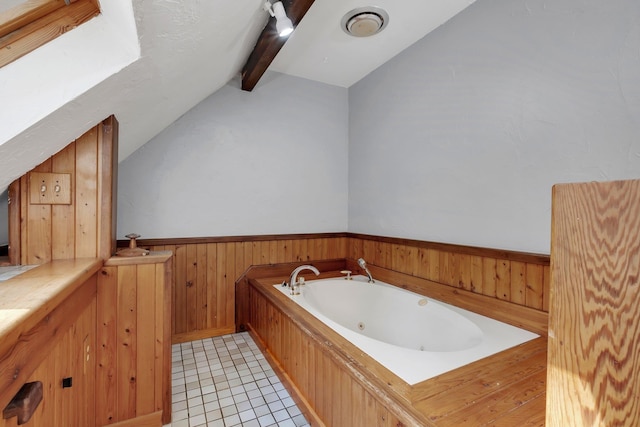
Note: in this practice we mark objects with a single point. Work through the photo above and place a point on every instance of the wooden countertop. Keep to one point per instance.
(152, 258)
(32, 295)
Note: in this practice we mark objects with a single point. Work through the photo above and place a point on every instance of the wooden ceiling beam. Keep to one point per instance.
(269, 43)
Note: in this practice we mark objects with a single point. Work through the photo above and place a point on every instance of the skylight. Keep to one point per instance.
(26, 25)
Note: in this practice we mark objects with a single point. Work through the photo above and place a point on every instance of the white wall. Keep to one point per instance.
(267, 162)
(460, 137)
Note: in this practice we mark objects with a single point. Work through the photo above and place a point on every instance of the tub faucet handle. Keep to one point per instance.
(348, 274)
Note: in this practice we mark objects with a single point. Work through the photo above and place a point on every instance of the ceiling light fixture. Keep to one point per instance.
(284, 26)
(364, 21)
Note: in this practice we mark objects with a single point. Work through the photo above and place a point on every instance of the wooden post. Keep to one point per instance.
(594, 320)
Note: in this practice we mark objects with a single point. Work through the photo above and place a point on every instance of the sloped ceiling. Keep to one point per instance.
(150, 61)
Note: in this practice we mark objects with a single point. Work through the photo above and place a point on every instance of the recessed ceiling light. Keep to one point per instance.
(364, 21)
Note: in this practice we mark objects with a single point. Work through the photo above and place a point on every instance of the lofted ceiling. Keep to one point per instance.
(176, 54)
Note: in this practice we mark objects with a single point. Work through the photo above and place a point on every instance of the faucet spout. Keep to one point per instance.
(363, 265)
(293, 278)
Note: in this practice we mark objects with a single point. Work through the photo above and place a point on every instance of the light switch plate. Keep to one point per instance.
(49, 188)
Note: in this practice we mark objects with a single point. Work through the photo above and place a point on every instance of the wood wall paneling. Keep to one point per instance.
(107, 341)
(205, 274)
(64, 216)
(86, 194)
(15, 225)
(108, 132)
(594, 369)
(120, 354)
(85, 228)
(134, 357)
(206, 270)
(510, 276)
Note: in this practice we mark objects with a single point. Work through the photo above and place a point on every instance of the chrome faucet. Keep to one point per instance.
(293, 278)
(363, 265)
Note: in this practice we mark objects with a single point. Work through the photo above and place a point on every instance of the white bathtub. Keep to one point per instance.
(413, 336)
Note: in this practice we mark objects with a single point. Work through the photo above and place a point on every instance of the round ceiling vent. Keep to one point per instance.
(364, 21)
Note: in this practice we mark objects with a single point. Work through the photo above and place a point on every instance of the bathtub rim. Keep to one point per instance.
(530, 319)
(413, 402)
(417, 366)
(363, 365)
(380, 381)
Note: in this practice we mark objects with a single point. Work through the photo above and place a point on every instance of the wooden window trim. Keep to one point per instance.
(38, 22)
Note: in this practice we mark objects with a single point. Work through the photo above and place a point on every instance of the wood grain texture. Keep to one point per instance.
(107, 339)
(29, 297)
(204, 300)
(26, 12)
(54, 347)
(505, 275)
(150, 420)
(86, 194)
(594, 364)
(26, 32)
(67, 358)
(64, 216)
(107, 184)
(206, 270)
(134, 337)
(85, 228)
(342, 386)
(14, 196)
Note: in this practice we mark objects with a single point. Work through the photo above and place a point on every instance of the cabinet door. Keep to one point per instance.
(73, 357)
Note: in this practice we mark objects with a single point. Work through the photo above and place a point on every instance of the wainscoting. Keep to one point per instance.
(206, 269)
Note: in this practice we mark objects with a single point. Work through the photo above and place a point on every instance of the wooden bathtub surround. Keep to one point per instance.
(46, 328)
(342, 386)
(594, 368)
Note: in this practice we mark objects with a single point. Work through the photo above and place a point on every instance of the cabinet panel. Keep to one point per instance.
(133, 334)
(73, 356)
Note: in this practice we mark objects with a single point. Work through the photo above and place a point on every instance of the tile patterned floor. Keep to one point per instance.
(226, 381)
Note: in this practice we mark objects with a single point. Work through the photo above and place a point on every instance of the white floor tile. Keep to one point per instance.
(225, 382)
